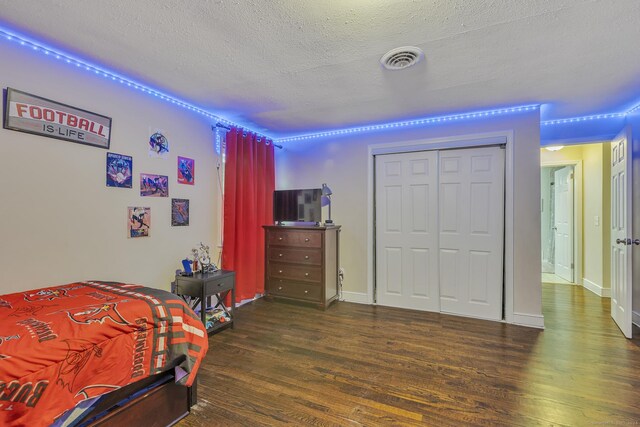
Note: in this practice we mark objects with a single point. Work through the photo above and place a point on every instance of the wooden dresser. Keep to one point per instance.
(301, 263)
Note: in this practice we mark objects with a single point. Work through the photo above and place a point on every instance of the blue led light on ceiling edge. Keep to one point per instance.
(87, 66)
(584, 118)
(415, 122)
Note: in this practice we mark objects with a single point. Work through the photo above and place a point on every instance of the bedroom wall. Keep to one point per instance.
(59, 221)
(342, 163)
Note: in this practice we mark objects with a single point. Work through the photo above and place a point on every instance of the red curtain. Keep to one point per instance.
(249, 181)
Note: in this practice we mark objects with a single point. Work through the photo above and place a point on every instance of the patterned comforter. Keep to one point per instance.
(62, 345)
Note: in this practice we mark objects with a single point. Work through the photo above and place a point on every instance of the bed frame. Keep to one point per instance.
(154, 401)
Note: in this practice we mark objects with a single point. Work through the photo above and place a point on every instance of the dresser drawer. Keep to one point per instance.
(304, 239)
(307, 273)
(302, 291)
(298, 256)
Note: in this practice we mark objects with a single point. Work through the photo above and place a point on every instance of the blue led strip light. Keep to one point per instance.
(416, 122)
(582, 119)
(84, 65)
(87, 66)
(634, 109)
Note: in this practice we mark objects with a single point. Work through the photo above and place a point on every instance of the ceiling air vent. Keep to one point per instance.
(401, 57)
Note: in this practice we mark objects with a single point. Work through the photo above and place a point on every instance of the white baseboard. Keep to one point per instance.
(357, 297)
(530, 320)
(635, 318)
(596, 289)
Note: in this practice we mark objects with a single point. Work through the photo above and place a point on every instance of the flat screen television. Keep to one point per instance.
(297, 205)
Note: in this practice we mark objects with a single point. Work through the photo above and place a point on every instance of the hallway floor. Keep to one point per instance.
(552, 278)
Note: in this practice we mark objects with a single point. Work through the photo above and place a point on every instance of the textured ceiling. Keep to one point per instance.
(292, 66)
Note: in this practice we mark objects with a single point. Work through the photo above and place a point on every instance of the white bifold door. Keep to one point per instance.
(621, 226)
(407, 230)
(440, 231)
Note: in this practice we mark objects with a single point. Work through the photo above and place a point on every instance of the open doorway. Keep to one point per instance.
(558, 224)
(575, 216)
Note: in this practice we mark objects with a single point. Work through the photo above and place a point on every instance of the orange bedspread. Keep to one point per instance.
(62, 345)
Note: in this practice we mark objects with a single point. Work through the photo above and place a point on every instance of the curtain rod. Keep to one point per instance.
(220, 125)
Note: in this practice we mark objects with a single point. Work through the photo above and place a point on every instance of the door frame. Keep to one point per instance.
(577, 214)
(460, 141)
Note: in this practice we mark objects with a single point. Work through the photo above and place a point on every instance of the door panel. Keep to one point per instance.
(440, 231)
(621, 228)
(563, 222)
(406, 230)
(472, 231)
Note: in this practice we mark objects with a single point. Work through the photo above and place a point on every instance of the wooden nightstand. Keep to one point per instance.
(201, 286)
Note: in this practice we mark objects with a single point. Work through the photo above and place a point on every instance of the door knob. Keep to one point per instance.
(636, 242)
(621, 241)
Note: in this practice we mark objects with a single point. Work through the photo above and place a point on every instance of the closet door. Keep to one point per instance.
(406, 191)
(471, 228)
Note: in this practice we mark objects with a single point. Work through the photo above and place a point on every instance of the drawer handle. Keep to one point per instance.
(280, 271)
(306, 257)
(279, 288)
(279, 238)
(306, 274)
(306, 240)
(279, 255)
(306, 292)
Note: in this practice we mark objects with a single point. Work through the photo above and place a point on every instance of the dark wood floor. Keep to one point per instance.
(362, 365)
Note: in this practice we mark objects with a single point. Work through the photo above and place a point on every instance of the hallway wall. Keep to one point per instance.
(595, 205)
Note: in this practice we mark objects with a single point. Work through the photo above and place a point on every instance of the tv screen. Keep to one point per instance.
(297, 205)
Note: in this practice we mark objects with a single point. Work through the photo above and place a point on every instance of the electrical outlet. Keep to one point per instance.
(596, 220)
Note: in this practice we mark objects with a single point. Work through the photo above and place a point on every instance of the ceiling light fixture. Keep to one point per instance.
(554, 147)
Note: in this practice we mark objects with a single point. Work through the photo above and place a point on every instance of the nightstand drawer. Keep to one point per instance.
(219, 285)
(193, 285)
(298, 256)
(307, 273)
(285, 288)
(304, 239)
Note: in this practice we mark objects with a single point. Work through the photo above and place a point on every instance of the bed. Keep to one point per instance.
(97, 353)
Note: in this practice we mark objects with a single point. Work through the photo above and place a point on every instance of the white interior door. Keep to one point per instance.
(621, 274)
(472, 231)
(563, 222)
(406, 187)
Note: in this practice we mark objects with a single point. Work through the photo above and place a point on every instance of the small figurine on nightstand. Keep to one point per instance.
(201, 256)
